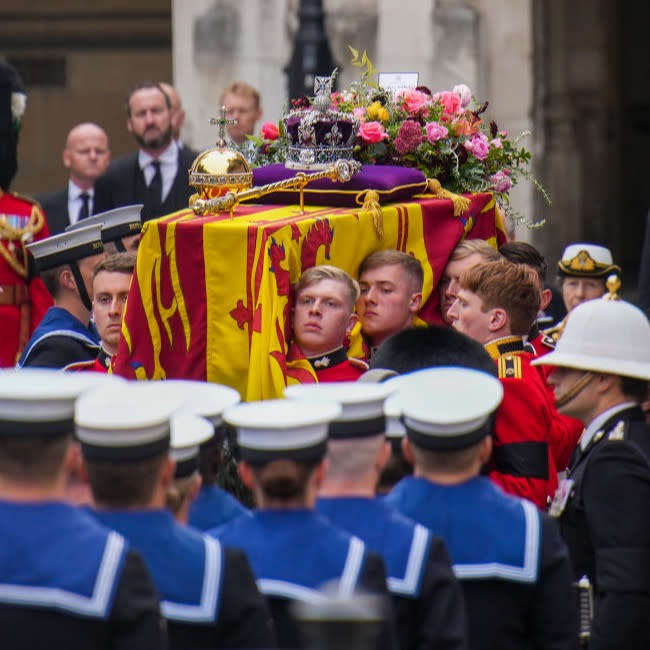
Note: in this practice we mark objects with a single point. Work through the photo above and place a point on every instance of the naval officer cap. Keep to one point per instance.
(362, 405)
(39, 403)
(188, 433)
(67, 247)
(124, 423)
(448, 408)
(198, 397)
(115, 224)
(587, 261)
(282, 428)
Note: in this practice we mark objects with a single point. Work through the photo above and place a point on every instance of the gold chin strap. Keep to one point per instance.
(574, 390)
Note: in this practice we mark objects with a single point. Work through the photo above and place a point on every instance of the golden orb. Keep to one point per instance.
(217, 171)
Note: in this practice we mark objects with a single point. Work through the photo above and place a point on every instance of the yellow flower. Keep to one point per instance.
(377, 112)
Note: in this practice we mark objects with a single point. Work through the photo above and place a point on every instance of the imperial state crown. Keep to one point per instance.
(318, 134)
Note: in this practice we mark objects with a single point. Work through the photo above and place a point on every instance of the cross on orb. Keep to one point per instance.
(222, 122)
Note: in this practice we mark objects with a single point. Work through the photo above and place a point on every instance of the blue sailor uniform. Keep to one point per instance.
(606, 525)
(429, 606)
(58, 341)
(512, 564)
(294, 552)
(67, 581)
(213, 507)
(208, 593)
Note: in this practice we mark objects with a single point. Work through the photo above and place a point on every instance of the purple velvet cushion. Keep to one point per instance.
(391, 183)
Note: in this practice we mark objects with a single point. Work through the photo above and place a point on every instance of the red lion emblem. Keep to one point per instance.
(320, 234)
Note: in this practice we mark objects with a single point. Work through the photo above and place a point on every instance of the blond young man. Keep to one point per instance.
(323, 316)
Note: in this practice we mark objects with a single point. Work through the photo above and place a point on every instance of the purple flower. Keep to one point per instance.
(409, 137)
(435, 131)
(478, 145)
(501, 182)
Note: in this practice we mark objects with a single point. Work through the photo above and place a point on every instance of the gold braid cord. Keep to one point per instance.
(461, 204)
(20, 236)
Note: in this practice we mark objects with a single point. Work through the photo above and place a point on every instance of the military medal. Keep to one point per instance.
(561, 497)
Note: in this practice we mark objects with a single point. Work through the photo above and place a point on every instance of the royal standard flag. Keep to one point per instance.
(211, 297)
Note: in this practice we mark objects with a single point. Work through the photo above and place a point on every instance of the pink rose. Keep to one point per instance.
(359, 113)
(451, 103)
(496, 143)
(464, 93)
(270, 131)
(435, 131)
(478, 145)
(414, 101)
(372, 132)
(500, 182)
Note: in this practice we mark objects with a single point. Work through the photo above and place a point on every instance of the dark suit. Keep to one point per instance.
(606, 525)
(55, 207)
(124, 184)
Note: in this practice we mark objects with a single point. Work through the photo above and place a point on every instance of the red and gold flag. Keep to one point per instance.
(211, 296)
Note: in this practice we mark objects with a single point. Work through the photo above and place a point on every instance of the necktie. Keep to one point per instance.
(155, 189)
(84, 210)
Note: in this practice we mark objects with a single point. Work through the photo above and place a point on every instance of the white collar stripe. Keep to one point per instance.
(528, 572)
(409, 583)
(206, 610)
(352, 567)
(95, 606)
(69, 333)
(283, 589)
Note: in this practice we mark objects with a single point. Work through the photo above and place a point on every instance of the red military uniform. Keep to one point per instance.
(523, 461)
(101, 364)
(334, 366)
(23, 299)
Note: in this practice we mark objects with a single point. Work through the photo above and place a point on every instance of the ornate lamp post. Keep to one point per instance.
(311, 55)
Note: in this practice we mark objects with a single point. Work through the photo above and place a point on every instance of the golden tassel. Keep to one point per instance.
(369, 202)
(461, 204)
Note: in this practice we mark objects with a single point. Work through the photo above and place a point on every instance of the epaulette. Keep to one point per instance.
(27, 199)
(618, 432)
(509, 366)
(358, 363)
(551, 336)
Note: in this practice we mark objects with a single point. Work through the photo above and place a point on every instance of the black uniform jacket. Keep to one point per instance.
(606, 525)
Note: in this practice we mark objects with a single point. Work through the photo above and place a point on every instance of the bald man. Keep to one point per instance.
(178, 112)
(86, 156)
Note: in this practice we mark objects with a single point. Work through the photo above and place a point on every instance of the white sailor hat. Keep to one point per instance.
(608, 336)
(448, 408)
(282, 428)
(115, 224)
(395, 429)
(362, 405)
(67, 247)
(39, 402)
(124, 423)
(188, 433)
(587, 260)
(199, 397)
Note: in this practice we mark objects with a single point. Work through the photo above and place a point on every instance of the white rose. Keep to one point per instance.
(18, 103)
(464, 93)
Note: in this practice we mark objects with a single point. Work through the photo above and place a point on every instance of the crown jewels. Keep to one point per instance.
(318, 135)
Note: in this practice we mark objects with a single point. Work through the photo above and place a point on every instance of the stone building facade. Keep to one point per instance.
(573, 73)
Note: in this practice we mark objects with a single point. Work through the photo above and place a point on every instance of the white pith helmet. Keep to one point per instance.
(610, 336)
